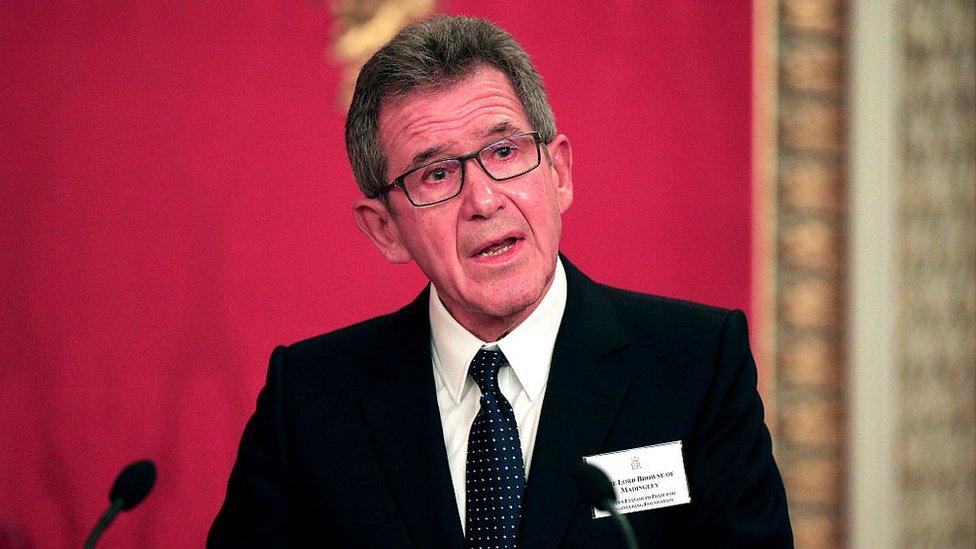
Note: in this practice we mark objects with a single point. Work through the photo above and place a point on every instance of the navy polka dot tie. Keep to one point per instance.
(495, 474)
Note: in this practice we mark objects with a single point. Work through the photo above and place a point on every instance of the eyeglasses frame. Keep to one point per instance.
(462, 161)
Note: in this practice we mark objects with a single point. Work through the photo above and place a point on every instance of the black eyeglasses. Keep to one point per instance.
(442, 180)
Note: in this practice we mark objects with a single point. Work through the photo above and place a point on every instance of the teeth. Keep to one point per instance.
(496, 251)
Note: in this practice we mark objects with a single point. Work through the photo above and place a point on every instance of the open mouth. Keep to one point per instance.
(497, 248)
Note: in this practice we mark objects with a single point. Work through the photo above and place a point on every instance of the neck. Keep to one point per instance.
(490, 329)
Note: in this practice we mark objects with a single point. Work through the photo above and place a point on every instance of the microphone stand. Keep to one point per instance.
(104, 522)
(625, 528)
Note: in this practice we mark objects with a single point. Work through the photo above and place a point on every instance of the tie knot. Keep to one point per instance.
(484, 369)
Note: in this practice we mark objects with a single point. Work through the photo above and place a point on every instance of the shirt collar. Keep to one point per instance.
(528, 347)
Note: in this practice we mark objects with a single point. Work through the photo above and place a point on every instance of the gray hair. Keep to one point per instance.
(432, 54)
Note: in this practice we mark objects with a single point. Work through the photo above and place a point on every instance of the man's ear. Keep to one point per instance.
(561, 154)
(377, 223)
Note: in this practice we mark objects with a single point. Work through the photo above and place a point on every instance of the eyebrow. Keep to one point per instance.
(503, 127)
(426, 154)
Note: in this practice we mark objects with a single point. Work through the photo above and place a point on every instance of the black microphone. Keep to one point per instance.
(131, 487)
(597, 491)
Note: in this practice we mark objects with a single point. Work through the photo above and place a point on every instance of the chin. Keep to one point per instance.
(512, 301)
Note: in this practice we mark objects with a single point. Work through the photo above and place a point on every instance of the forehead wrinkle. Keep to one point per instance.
(435, 123)
(450, 122)
(430, 123)
(499, 128)
(499, 100)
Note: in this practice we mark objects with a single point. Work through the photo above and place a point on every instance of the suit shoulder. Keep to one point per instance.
(365, 342)
(358, 338)
(666, 312)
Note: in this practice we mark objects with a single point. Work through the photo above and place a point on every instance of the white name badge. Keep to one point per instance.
(644, 478)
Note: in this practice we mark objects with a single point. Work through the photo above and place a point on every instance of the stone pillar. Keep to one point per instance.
(930, 423)
(802, 224)
(936, 251)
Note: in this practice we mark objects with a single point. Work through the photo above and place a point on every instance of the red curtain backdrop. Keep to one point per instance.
(176, 201)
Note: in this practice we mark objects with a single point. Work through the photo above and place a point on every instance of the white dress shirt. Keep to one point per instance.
(528, 349)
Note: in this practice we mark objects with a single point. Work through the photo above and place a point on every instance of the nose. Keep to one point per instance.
(480, 193)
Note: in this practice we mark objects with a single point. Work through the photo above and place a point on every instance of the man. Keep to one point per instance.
(459, 420)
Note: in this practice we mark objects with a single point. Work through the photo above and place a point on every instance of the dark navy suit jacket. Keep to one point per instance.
(346, 447)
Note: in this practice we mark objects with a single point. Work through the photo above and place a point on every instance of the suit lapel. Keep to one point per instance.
(584, 393)
(585, 390)
(404, 421)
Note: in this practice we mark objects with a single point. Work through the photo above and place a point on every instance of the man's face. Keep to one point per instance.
(491, 251)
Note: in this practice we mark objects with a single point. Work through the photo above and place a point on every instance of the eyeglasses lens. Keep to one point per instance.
(501, 160)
